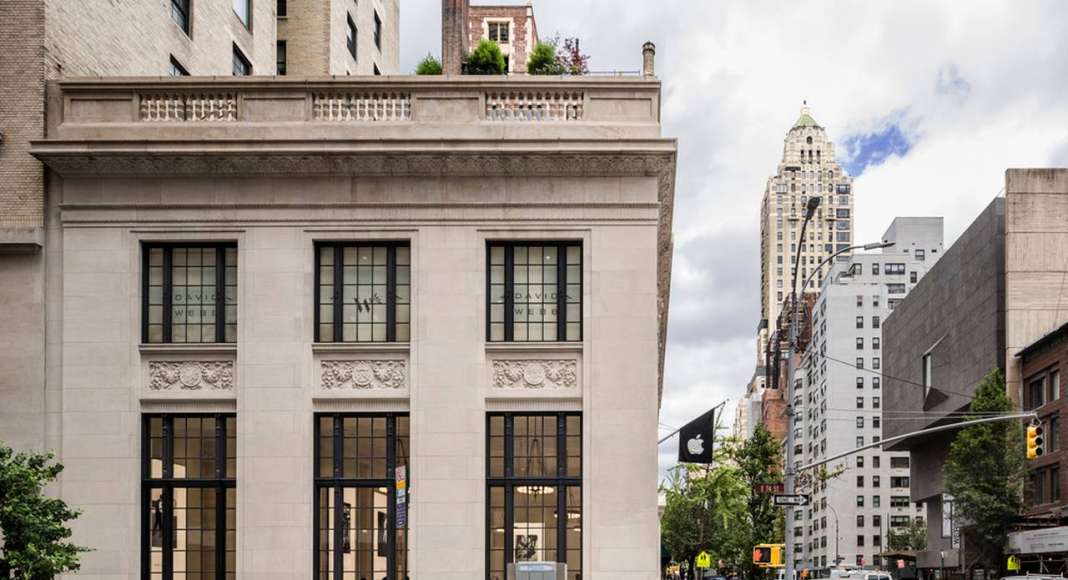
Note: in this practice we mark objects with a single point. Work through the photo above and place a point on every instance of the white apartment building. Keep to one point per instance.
(748, 413)
(839, 403)
(808, 169)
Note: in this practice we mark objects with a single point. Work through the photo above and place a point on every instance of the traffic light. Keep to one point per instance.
(768, 555)
(1035, 447)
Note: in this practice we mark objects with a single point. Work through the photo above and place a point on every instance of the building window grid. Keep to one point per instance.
(534, 291)
(357, 456)
(188, 496)
(531, 456)
(189, 293)
(363, 292)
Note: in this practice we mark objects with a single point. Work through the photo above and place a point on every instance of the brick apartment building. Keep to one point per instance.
(512, 27)
(1042, 364)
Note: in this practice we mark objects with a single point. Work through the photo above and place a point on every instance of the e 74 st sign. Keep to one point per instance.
(793, 500)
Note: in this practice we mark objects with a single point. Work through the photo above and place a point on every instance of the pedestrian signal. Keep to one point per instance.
(768, 555)
(1035, 443)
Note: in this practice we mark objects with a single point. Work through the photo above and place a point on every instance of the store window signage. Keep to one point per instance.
(189, 293)
(535, 291)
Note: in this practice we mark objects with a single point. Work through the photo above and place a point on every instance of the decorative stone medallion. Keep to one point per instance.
(535, 374)
(364, 374)
(215, 375)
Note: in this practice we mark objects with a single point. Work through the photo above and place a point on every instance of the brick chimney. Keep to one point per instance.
(454, 40)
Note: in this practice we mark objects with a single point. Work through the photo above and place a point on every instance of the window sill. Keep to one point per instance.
(492, 347)
(349, 347)
(188, 348)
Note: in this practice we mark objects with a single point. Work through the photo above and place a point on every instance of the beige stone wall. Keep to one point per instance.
(307, 34)
(103, 385)
(368, 55)
(1036, 261)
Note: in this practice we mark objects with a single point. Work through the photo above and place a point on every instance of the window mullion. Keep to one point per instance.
(220, 529)
(509, 523)
(339, 292)
(168, 531)
(220, 294)
(168, 293)
(509, 293)
(391, 297)
(561, 488)
(561, 292)
(391, 496)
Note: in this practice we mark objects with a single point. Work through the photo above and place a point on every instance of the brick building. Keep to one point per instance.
(512, 27)
(1042, 364)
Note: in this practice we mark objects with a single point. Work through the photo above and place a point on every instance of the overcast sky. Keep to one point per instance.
(928, 101)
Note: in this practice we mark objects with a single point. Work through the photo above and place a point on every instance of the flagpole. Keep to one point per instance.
(676, 431)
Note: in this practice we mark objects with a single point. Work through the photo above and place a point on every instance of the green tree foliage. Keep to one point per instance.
(543, 60)
(985, 470)
(759, 460)
(33, 526)
(428, 66)
(911, 537)
(486, 59)
(715, 510)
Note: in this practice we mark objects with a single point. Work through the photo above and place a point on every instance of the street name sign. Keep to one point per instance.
(794, 500)
(768, 488)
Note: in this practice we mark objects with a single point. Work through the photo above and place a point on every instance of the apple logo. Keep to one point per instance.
(695, 446)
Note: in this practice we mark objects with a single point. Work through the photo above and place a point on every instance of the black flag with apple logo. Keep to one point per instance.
(696, 438)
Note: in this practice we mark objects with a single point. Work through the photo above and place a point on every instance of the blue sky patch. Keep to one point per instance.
(871, 149)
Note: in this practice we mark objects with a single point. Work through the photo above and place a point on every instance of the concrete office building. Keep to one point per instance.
(1010, 260)
(302, 338)
(839, 404)
(808, 169)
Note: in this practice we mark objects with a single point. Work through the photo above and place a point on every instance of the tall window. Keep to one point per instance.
(378, 31)
(498, 32)
(189, 293)
(188, 497)
(241, 64)
(180, 14)
(1037, 391)
(364, 292)
(280, 56)
(535, 291)
(350, 35)
(534, 466)
(243, 10)
(283, 9)
(361, 483)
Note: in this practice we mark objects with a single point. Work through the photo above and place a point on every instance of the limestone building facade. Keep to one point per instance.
(839, 405)
(808, 169)
(313, 335)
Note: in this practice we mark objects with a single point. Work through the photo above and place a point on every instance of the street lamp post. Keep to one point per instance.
(837, 556)
(791, 473)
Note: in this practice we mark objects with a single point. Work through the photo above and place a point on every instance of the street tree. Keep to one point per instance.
(910, 537)
(33, 526)
(985, 471)
(759, 461)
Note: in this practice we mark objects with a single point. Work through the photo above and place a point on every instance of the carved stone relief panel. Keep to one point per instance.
(347, 375)
(550, 374)
(214, 375)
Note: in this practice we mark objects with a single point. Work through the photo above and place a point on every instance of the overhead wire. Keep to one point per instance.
(898, 379)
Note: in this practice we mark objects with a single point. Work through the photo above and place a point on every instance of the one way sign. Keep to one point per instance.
(794, 500)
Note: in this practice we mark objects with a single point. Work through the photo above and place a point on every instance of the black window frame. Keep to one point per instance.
(282, 9)
(181, 14)
(281, 57)
(167, 483)
(176, 68)
(338, 483)
(561, 481)
(239, 59)
(378, 30)
(509, 288)
(351, 37)
(168, 286)
(391, 247)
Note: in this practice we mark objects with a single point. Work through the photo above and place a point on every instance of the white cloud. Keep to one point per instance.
(982, 88)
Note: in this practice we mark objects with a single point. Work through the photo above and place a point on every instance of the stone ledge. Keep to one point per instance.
(188, 348)
(361, 347)
(14, 240)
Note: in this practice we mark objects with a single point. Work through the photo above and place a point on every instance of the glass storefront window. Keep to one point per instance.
(189, 502)
(361, 484)
(534, 495)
